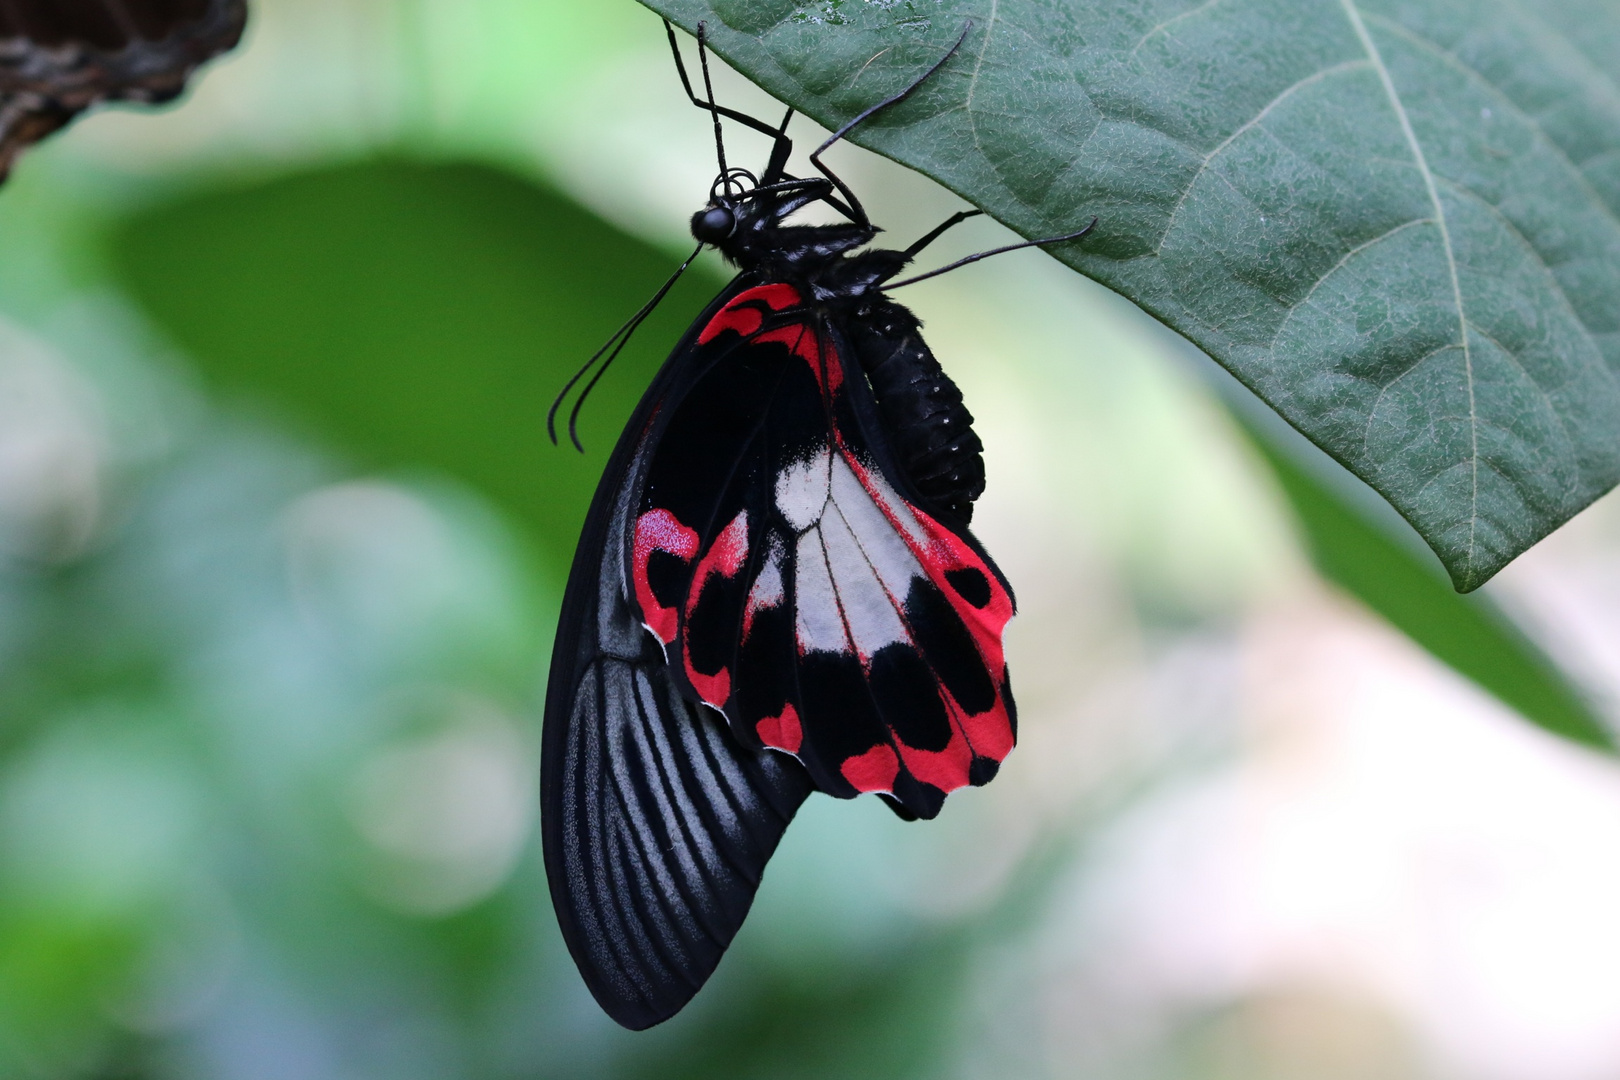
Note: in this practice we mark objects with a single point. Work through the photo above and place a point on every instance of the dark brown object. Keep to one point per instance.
(59, 57)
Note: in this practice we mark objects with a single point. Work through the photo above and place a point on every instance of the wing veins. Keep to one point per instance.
(958, 719)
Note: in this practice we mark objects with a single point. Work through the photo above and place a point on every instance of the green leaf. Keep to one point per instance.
(417, 315)
(1468, 633)
(1394, 220)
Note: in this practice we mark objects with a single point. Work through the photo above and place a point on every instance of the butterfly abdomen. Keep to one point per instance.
(929, 428)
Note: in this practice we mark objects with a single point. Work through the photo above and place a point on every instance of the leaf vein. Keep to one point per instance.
(1353, 13)
(1248, 125)
(1452, 60)
(1372, 413)
(978, 65)
(1557, 415)
(1171, 21)
(1352, 253)
(1552, 278)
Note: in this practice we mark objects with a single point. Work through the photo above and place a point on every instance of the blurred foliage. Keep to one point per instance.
(419, 315)
(1468, 633)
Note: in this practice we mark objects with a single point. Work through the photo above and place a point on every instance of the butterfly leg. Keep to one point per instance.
(782, 145)
(710, 105)
(947, 268)
(858, 214)
(775, 177)
(939, 230)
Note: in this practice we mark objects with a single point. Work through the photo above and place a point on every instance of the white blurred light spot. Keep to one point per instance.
(1393, 831)
(95, 819)
(371, 557)
(448, 813)
(51, 451)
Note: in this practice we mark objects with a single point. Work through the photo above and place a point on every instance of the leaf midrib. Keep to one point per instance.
(1353, 13)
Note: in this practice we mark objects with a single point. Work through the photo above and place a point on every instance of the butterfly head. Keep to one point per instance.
(714, 224)
(746, 220)
(731, 199)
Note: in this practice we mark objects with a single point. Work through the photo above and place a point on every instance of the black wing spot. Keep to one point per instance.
(1007, 698)
(970, 584)
(908, 697)
(919, 798)
(948, 647)
(840, 719)
(667, 575)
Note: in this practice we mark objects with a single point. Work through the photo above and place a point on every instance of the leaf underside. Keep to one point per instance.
(1398, 223)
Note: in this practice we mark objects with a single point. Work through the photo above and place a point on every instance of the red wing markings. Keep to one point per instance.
(781, 731)
(659, 530)
(871, 574)
(874, 771)
(746, 315)
(726, 556)
(859, 554)
(746, 311)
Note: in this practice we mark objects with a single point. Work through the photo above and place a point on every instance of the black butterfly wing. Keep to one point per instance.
(753, 547)
(59, 57)
(656, 823)
(793, 584)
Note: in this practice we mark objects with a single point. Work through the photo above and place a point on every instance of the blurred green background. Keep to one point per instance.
(281, 545)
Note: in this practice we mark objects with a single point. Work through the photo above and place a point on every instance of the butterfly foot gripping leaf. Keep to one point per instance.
(776, 591)
(59, 57)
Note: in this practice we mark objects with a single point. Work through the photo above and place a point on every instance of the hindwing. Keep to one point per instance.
(794, 585)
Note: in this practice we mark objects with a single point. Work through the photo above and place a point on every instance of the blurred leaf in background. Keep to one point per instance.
(1471, 634)
(420, 316)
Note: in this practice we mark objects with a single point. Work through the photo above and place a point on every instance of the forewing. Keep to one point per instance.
(58, 59)
(657, 823)
(798, 590)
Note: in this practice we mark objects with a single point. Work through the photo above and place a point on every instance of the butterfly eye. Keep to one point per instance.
(714, 224)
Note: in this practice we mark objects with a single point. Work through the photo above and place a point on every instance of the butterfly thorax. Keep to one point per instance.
(749, 228)
(929, 428)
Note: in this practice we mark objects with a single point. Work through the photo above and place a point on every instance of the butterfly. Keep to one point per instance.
(775, 592)
(58, 59)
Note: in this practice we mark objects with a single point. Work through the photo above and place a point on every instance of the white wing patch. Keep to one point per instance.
(870, 607)
(853, 567)
(874, 526)
(767, 590)
(801, 490)
(818, 618)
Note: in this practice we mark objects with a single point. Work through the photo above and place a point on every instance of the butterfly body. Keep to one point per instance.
(929, 424)
(921, 408)
(775, 592)
(777, 562)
